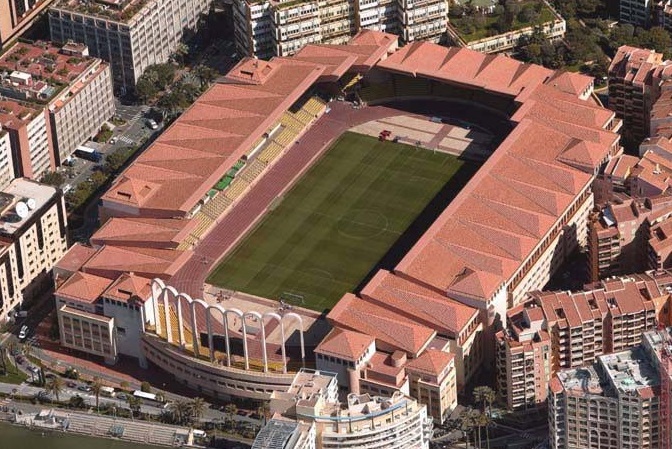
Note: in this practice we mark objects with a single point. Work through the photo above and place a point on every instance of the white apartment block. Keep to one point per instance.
(78, 113)
(320, 420)
(6, 164)
(32, 238)
(610, 405)
(265, 29)
(636, 12)
(130, 35)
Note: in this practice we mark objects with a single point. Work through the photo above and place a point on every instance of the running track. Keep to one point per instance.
(224, 235)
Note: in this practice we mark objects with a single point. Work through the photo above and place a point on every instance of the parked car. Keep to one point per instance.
(151, 124)
(23, 333)
(113, 140)
(85, 388)
(71, 384)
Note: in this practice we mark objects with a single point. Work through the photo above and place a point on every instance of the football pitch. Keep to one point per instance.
(325, 235)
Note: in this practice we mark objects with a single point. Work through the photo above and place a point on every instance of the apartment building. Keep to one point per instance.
(16, 16)
(523, 359)
(633, 88)
(130, 35)
(6, 160)
(311, 405)
(29, 132)
(636, 12)
(32, 239)
(76, 89)
(612, 404)
(266, 29)
(662, 14)
(619, 234)
(560, 330)
(553, 30)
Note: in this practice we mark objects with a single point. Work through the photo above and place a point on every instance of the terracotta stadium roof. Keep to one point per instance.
(149, 232)
(112, 261)
(418, 303)
(83, 287)
(128, 286)
(499, 74)
(196, 151)
(382, 323)
(514, 200)
(432, 362)
(344, 344)
(76, 256)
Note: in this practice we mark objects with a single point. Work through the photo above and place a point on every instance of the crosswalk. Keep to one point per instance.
(125, 139)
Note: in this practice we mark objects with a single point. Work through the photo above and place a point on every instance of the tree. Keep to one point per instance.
(197, 408)
(145, 387)
(658, 39)
(231, 410)
(467, 423)
(264, 410)
(76, 402)
(205, 74)
(134, 404)
(124, 385)
(179, 411)
(55, 387)
(52, 178)
(485, 396)
(145, 89)
(96, 388)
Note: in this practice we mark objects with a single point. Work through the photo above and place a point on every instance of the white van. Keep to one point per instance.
(107, 391)
(23, 333)
(67, 188)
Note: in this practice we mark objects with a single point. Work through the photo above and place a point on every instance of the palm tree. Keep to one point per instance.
(485, 396)
(134, 404)
(231, 411)
(96, 388)
(264, 410)
(55, 387)
(197, 408)
(179, 410)
(467, 423)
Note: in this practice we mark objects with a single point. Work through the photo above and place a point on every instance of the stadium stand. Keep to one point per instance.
(253, 170)
(285, 137)
(236, 189)
(270, 152)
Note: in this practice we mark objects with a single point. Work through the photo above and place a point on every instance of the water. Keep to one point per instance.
(20, 437)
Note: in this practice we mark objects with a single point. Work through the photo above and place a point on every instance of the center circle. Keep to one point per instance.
(362, 224)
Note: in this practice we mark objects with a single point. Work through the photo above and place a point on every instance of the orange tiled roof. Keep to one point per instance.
(418, 303)
(381, 323)
(344, 344)
(112, 261)
(76, 256)
(211, 136)
(150, 232)
(499, 74)
(83, 287)
(514, 200)
(128, 286)
(432, 362)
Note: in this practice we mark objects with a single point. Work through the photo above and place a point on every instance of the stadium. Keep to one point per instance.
(291, 185)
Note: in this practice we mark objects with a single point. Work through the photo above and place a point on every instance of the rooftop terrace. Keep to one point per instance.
(117, 10)
(37, 72)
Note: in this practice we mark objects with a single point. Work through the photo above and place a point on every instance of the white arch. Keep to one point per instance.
(166, 311)
(157, 286)
(194, 326)
(300, 320)
(180, 319)
(162, 291)
(276, 316)
(259, 318)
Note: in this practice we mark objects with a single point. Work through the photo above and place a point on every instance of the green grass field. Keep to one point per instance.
(337, 222)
